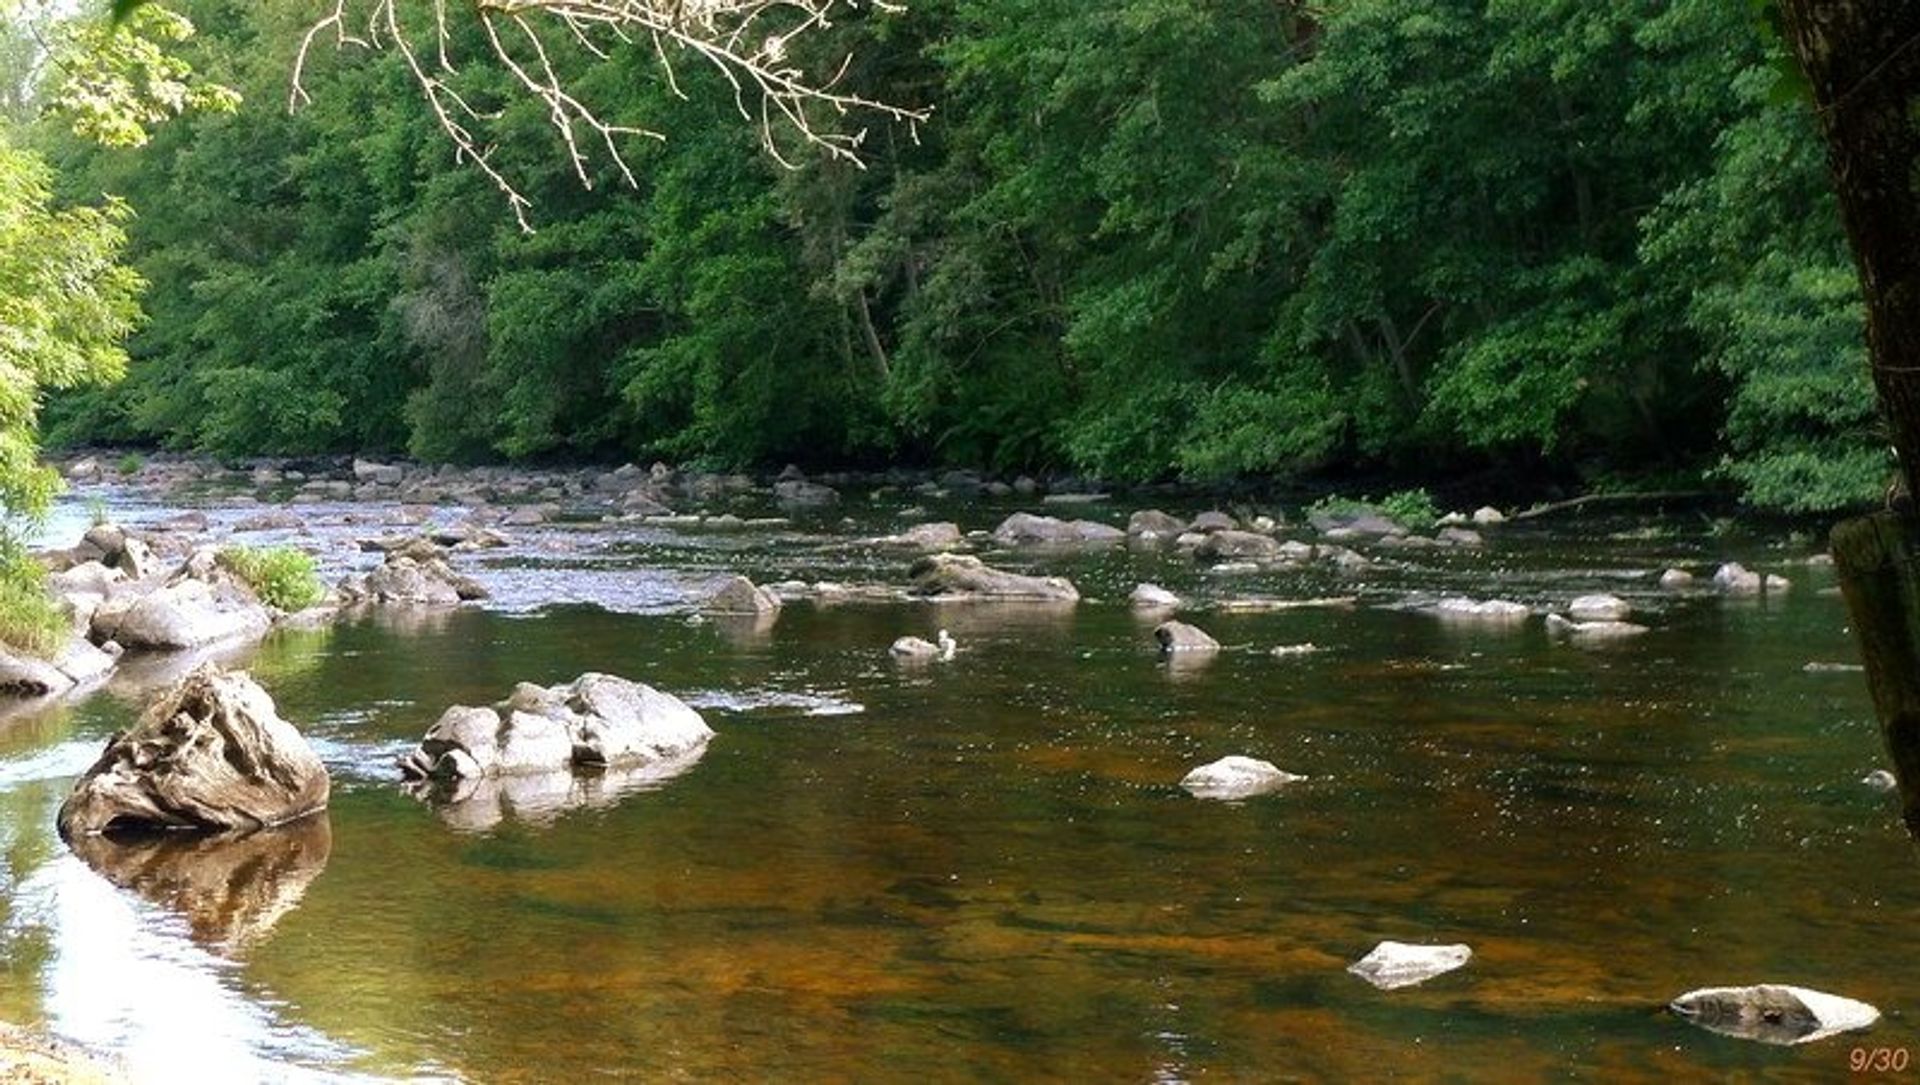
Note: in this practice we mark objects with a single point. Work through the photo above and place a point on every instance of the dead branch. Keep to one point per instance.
(749, 42)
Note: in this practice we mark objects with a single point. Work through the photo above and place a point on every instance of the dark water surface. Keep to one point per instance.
(984, 870)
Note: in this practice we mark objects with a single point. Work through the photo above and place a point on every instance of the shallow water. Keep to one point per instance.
(984, 870)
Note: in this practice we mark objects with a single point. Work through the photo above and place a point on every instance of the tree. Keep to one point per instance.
(1862, 63)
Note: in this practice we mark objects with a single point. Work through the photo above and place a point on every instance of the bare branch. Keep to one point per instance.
(749, 42)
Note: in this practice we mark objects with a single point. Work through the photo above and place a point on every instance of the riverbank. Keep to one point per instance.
(27, 1058)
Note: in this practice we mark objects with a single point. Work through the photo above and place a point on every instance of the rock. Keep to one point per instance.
(937, 536)
(530, 515)
(26, 677)
(187, 522)
(1393, 965)
(1152, 525)
(406, 580)
(1487, 514)
(1026, 529)
(1231, 545)
(1676, 578)
(1460, 536)
(1177, 637)
(1599, 608)
(738, 595)
(1736, 579)
(1236, 777)
(187, 612)
(1260, 604)
(378, 473)
(1777, 584)
(1213, 520)
(84, 470)
(799, 493)
(1823, 667)
(920, 648)
(1490, 611)
(964, 577)
(1355, 523)
(1286, 651)
(1153, 597)
(211, 754)
(1881, 780)
(1773, 1013)
(1075, 498)
(1604, 630)
(276, 520)
(597, 720)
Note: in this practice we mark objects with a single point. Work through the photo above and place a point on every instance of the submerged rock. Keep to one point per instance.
(963, 577)
(1179, 637)
(1773, 1013)
(1236, 777)
(1393, 965)
(596, 720)
(212, 754)
(1601, 630)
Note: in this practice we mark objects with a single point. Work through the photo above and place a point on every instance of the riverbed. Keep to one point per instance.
(985, 869)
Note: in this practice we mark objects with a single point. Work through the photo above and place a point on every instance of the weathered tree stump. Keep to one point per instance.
(1878, 559)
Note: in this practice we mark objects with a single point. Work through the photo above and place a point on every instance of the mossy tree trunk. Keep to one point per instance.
(1862, 60)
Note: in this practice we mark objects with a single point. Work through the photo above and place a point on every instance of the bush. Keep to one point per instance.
(129, 464)
(1412, 509)
(282, 576)
(30, 621)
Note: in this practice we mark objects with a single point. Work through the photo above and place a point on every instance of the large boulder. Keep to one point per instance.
(193, 609)
(964, 577)
(595, 721)
(1026, 529)
(211, 754)
(800, 494)
(1152, 525)
(738, 595)
(1773, 1013)
(412, 579)
(1177, 637)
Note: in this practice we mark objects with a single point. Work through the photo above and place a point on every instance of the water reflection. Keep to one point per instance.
(230, 888)
(479, 805)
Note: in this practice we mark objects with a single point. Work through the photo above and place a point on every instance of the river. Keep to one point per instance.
(985, 869)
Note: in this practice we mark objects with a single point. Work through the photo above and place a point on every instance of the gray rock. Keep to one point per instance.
(211, 754)
(964, 577)
(1357, 523)
(1231, 545)
(378, 473)
(1236, 777)
(1026, 529)
(1881, 780)
(1489, 611)
(597, 721)
(186, 613)
(1676, 578)
(1153, 597)
(1592, 631)
(1211, 521)
(1179, 637)
(799, 493)
(406, 580)
(936, 536)
(1487, 514)
(738, 595)
(1393, 965)
(1152, 525)
(275, 520)
(26, 677)
(920, 648)
(1599, 608)
(1736, 579)
(1460, 536)
(1773, 1013)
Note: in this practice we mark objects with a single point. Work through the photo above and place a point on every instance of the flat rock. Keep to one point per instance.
(1393, 965)
(1488, 611)
(1604, 630)
(1179, 637)
(964, 577)
(943, 535)
(1599, 608)
(211, 754)
(1773, 1013)
(1236, 777)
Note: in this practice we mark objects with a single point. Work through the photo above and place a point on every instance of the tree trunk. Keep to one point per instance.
(1862, 59)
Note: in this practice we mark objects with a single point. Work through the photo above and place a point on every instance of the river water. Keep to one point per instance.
(985, 869)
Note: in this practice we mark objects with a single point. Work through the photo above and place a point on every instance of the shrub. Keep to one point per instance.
(1412, 509)
(282, 576)
(30, 620)
(129, 464)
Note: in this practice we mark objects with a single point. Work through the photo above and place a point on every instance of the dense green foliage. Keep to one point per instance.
(282, 576)
(1141, 239)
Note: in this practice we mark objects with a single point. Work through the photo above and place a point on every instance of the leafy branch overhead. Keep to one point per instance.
(755, 46)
